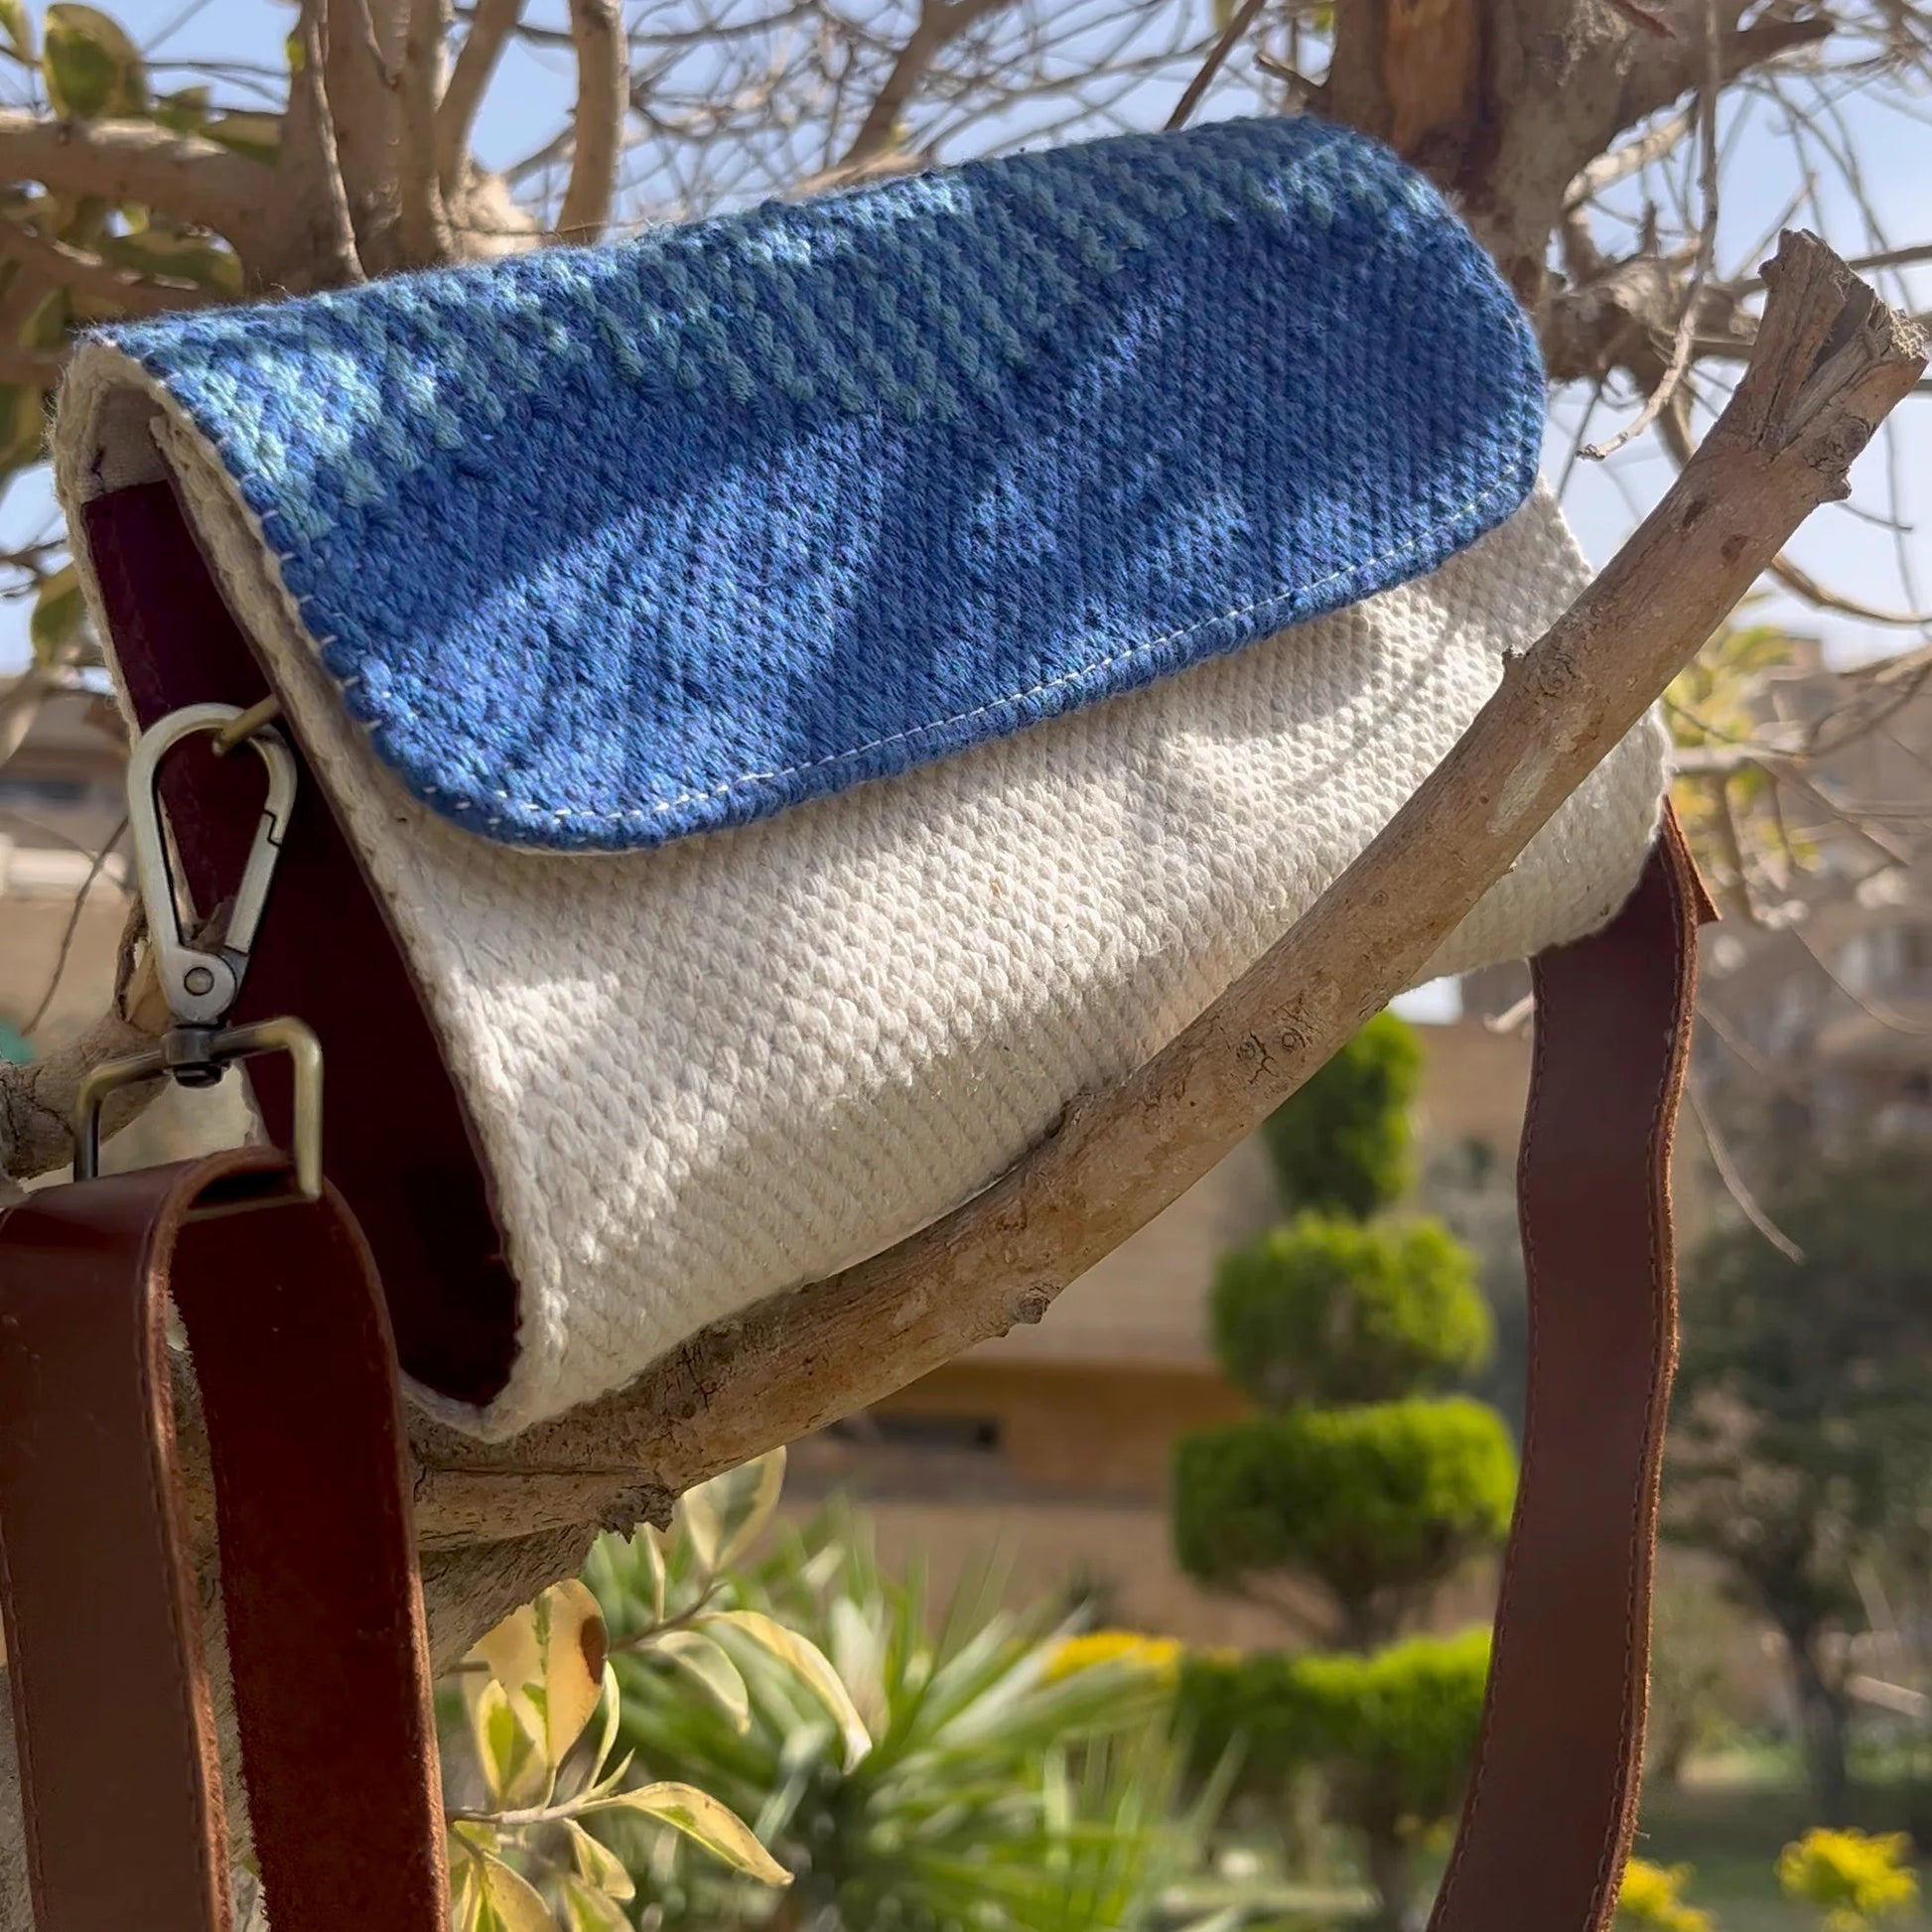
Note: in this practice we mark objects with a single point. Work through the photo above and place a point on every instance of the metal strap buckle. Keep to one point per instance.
(200, 984)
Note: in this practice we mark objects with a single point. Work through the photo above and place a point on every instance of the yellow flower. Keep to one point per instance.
(1857, 1879)
(1652, 1897)
(1158, 1656)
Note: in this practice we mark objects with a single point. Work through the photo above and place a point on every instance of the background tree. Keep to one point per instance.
(1803, 1437)
(1355, 1477)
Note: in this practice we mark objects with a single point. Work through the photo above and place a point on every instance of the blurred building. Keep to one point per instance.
(61, 804)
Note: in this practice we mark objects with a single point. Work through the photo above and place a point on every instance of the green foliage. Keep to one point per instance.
(523, 1854)
(1394, 1731)
(1343, 1142)
(91, 66)
(1013, 1778)
(1802, 1439)
(1853, 1879)
(1327, 1309)
(1384, 1498)
(1652, 1896)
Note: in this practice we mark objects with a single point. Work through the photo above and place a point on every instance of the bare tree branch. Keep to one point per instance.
(1733, 1181)
(940, 21)
(602, 95)
(1802, 584)
(37, 1100)
(362, 54)
(191, 179)
(1833, 362)
(1661, 396)
(312, 168)
(1239, 22)
(491, 26)
(1630, 159)
(422, 222)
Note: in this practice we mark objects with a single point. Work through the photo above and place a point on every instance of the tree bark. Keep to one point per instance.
(1391, 1877)
(1823, 1712)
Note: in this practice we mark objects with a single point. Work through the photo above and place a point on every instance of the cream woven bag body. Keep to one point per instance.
(813, 693)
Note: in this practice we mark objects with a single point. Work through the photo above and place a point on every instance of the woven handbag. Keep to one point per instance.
(785, 705)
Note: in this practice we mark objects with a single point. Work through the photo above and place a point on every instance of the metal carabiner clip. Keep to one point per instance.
(202, 985)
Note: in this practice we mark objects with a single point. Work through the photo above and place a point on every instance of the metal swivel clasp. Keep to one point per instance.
(202, 985)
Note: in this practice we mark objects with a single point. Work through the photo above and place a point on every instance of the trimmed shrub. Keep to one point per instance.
(1327, 1309)
(1386, 1497)
(1396, 1732)
(1341, 1143)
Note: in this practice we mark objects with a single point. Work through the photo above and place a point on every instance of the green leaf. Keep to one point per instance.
(58, 612)
(699, 1654)
(747, 1498)
(512, 1765)
(597, 1864)
(91, 66)
(516, 1904)
(697, 1514)
(178, 258)
(654, 1555)
(608, 1733)
(589, 1910)
(256, 135)
(809, 1662)
(23, 425)
(186, 110)
(467, 1893)
(706, 1822)
(16, 29)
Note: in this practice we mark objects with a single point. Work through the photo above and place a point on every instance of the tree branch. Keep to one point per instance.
(360, 59)
(490, 27)
(1239, 22)
(423, 222)
(940, 21)
(603, 96)
(194, 180)
(1832, 362)
(312, 169)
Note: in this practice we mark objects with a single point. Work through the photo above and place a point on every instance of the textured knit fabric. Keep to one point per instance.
(606, 547)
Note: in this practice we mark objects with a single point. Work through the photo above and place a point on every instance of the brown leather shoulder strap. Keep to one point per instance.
(119, 1768)
(1552, 1801)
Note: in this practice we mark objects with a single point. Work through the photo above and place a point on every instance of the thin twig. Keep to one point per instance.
(74, 925)
(1680, 356)
(1242, 19)
(1733, 1181)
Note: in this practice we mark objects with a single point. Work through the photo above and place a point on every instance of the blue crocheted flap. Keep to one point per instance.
(608, 547)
